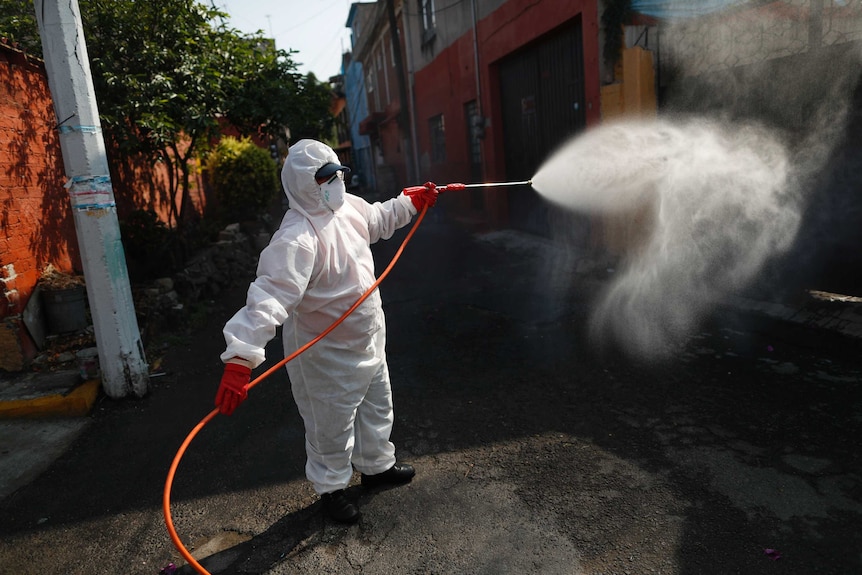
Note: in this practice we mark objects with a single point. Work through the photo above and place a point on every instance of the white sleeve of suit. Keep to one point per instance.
(384, 218)
(283, 273)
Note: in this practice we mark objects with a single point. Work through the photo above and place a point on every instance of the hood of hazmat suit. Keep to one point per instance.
(303, 192)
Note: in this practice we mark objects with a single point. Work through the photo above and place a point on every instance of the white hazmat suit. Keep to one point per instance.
(315, 267)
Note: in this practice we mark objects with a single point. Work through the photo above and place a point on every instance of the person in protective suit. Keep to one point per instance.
(317, 264)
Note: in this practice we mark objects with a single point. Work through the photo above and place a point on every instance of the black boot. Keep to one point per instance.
(337, 507)
(395, 475)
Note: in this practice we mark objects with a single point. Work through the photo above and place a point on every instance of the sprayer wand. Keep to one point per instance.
(492, 184)
(458, 187)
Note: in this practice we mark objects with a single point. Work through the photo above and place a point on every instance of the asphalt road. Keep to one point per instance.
(535, 453)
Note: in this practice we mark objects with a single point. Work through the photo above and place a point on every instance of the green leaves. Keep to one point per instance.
(175, 67)
(243, 177)
(169, 74)
(18, 25)
(154, 66)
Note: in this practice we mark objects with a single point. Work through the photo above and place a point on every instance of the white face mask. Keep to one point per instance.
(332, 193)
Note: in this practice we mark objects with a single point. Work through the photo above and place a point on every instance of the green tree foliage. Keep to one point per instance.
(243, 177)
(312, 117)
(272, 96)
(165, 74)
(18, 25)
(614, 16)
(169, 73)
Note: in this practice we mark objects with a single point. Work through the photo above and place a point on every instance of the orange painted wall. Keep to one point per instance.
(36, 223)
(36, 226)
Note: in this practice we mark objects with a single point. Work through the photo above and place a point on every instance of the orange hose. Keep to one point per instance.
(166, 497)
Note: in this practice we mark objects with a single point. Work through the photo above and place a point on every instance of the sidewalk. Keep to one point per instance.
(836, 313)
(41, 414)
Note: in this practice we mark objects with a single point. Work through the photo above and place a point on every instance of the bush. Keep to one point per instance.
(151, 247)
(243, 178)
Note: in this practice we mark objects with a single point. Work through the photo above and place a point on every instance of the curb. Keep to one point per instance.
(822, 310)
(74, 403)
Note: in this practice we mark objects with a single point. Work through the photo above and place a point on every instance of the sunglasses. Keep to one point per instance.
(338, 174)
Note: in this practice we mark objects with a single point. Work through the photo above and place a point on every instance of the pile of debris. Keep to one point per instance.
(59, 352)
(167, 303)
(53, 279)
(229, 262)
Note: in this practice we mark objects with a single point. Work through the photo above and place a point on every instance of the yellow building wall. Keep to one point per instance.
(639, 82)
(634, 96)
(613, 101)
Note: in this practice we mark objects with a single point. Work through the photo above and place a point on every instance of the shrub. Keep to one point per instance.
(243, 178)
(150, 246)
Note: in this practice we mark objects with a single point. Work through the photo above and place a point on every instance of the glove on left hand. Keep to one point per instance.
(232, 390)
(421, 196)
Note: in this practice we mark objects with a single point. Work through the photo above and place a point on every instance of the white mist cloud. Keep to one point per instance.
(721, 208)
(767, 93)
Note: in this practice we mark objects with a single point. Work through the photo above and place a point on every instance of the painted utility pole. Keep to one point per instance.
(121, 353)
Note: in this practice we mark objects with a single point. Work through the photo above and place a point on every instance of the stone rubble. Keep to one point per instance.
(229, 262)
(168, 302)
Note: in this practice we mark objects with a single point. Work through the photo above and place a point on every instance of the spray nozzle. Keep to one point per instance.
(452, 187)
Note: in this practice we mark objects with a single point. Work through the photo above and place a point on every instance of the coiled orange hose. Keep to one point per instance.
(166, 497)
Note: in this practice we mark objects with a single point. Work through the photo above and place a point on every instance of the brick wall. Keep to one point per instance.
(36, 226)
(36, 223)
(36, 220)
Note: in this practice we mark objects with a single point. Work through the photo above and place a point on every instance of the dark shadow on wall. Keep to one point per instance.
(136, 184)
(37, 165)
(37, 210)
(828, 244)
(802, 99)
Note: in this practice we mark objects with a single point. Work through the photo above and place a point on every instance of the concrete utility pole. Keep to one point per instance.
(121, 353)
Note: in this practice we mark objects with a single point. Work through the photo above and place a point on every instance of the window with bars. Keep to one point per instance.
(426, 13)
(475, 131)
(373, 97)
(437, 132)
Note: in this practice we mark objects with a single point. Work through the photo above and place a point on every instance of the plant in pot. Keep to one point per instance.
(64, 300)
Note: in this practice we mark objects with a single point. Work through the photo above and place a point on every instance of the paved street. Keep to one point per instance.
(535, 453)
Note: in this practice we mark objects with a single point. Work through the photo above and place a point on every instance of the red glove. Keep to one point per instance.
(421, 196)
(232, 390)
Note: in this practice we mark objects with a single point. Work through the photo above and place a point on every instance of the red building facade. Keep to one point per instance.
(492, 88)
(521, 78)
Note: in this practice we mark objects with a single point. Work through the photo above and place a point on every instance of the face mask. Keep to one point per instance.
(332, 193)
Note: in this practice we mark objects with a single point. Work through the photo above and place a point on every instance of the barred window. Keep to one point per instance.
(437, 131)
(426, 13)
(475, 133)
(426, 8)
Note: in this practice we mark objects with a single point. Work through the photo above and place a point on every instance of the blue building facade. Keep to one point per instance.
(357, 109)
(357, 101)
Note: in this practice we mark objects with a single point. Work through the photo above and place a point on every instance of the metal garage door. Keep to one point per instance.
(542, 97)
